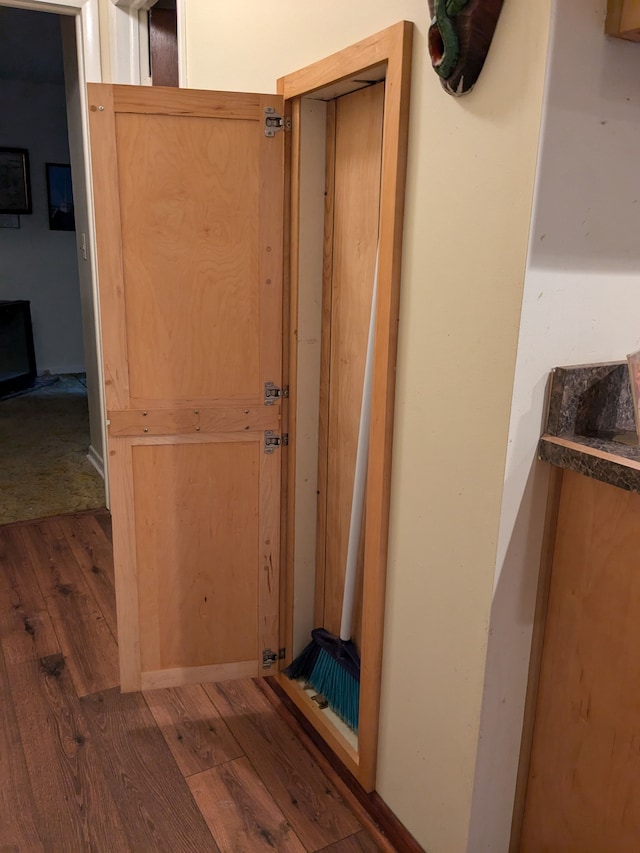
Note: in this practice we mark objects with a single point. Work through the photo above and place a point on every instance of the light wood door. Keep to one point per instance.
(188, 198)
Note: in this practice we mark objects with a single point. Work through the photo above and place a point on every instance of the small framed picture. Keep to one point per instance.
(633, 361)
(15, 185)
(60, 197)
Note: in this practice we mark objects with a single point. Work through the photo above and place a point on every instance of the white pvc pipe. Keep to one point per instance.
(360, 476)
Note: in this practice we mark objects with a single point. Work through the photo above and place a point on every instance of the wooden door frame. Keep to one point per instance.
(393, 48)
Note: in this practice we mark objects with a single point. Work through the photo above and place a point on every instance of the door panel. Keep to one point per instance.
(191, 217)
(197, 510)
(188, 195)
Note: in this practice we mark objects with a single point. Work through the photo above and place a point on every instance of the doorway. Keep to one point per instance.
(51, 428)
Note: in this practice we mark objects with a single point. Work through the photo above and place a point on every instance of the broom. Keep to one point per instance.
(330, 664)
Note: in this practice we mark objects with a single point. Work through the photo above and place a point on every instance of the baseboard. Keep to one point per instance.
(61, 370)
(374, 814)
(96, 460)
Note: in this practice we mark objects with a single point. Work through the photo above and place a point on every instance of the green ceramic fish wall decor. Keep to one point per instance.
(459, 37)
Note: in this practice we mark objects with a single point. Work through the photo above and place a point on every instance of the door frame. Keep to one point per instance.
(391, 47)
(129, 41)
(87, 29)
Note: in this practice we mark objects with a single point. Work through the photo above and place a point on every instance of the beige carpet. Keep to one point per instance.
(44, 439)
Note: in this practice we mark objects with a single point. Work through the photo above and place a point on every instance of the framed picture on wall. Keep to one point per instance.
(60, 197)
(15, 186)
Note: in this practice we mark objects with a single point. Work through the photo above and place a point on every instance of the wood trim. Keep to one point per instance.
(535, 661)
(371, 51)
(181, 675)
(188, 102)
(197, 438)
(268, 615)
(378, 495)
(271, 272)
(290, 378)
(393, 47)
(124, 559)
(109, 256)
(270, 241)
(199, 402)
(375, 815)
(591, 451)
(180, 421)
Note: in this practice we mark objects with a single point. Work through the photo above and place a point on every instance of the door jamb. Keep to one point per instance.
(130, 38)
(393, 48)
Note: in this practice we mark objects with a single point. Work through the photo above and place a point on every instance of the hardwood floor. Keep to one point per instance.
(86, 768)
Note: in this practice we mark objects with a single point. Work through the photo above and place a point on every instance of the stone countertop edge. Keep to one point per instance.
(594, 458)
(585, 401)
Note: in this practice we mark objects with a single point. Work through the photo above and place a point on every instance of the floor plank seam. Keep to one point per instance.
(95, 757)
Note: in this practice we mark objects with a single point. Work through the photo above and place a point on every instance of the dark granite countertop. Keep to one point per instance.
(590, 426)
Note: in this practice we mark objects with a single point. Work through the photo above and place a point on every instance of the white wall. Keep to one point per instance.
(36, 263)
(581, 304)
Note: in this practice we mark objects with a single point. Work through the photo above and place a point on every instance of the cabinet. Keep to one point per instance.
(348, 152)
(582, 791)
(200, 200)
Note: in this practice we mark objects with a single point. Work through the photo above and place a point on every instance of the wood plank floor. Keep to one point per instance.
(86, 768)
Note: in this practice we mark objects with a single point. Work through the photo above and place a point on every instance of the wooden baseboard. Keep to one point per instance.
(374, 814)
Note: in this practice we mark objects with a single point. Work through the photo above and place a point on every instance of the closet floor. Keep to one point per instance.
(85, 767)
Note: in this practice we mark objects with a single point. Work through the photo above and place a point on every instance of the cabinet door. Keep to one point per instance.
(188, 194)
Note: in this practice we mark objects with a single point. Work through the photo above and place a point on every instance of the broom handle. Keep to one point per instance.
(360, 476)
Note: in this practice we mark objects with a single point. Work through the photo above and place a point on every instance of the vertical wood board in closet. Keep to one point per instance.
(354, 150)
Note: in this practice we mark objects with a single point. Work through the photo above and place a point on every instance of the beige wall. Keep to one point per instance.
(471, 174)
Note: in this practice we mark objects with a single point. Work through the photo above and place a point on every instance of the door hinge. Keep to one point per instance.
(273, 122)
(271, 440)
(269, 657)
(272, 393)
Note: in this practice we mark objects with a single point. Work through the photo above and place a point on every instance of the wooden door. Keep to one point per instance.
(188, 195)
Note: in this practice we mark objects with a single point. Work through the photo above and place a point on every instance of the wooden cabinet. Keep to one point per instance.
(583, 792)
(199, 255)
(355, 156)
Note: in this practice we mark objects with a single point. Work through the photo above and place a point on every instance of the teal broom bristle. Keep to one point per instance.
(339, 688)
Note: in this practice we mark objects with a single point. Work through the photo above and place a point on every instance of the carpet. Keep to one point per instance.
(41, 382)
(44, 439)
